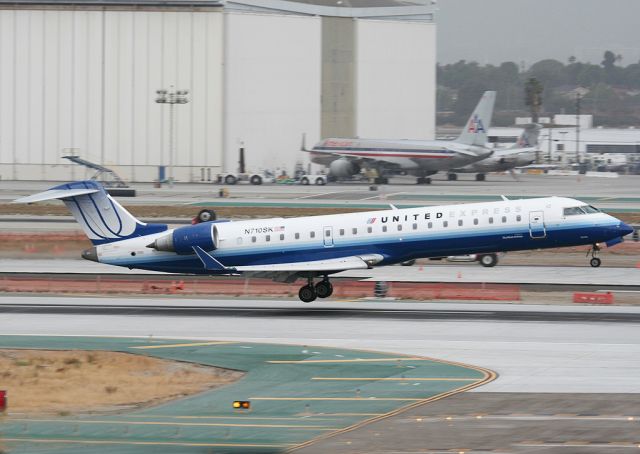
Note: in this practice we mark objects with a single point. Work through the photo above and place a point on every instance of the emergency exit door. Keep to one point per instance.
(536, 225)
(327, 235)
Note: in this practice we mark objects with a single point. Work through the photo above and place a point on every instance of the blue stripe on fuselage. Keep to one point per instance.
(393, 249)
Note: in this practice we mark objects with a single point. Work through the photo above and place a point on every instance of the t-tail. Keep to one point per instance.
(476, 130)
(529, 136)
(101, 217)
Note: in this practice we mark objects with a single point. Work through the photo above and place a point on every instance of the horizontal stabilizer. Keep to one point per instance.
(53, 194)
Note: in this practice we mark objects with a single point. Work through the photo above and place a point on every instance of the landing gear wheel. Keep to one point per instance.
(324, 289)
(480, 177)
(206, 216)
(452, 177)
(488, 260)
(307, 294)
(595, 262)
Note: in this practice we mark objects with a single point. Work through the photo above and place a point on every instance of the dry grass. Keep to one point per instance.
(68, 382)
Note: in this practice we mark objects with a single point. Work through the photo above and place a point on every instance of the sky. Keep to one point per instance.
(493, 31)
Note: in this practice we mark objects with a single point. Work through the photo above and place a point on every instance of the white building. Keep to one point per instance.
(81, 75)
(563, 144)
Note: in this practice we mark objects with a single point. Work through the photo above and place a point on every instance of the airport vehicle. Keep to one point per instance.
(253, 178)
(346, 157)
(521, 154)
(318, 179)
(317, 246)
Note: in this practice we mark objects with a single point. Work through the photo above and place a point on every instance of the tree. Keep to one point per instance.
(609, 60)
(533, 97)
(551, 73)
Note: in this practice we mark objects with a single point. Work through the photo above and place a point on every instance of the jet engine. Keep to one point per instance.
(343, 168)
(182, 240)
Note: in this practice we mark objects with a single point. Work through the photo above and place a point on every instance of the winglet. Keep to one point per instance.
(303, 145)
(209, 262)
(504, 197)
(393, 207)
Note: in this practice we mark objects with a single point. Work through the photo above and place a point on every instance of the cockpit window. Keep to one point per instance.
(573, 211)
(589, 209)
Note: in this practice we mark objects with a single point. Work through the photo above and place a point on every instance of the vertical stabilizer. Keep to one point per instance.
(529, 136)
(477, 128)
(102, 218)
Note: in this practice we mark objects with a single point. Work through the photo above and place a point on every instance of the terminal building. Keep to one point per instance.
(80, 77)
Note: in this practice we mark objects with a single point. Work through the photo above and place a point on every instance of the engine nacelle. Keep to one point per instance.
(343, 168)
(182, 240)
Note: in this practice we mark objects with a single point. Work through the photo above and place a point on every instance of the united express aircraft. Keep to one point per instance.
(317, 246)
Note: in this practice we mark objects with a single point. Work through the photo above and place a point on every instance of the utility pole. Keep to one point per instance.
(171, 97)
(578, 128)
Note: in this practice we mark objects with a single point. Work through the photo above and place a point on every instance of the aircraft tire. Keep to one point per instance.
(324, 289)
(206, 216)
(307, 294)
(595, 262)
(488, 260)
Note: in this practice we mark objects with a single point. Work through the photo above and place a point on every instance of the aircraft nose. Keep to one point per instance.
(626, 229)
(90, 254)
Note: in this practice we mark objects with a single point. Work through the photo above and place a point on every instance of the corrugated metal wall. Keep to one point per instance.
(87, 80)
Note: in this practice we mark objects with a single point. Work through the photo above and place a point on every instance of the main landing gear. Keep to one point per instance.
(310, 292)
(595, 260)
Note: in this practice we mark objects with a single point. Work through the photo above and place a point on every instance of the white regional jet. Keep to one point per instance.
(521, 154)
(318, 246)
(345, 157)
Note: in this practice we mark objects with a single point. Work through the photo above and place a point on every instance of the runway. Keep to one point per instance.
(587, 354)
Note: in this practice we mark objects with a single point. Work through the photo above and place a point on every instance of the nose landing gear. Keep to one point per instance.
(309, 292)
(595, 261)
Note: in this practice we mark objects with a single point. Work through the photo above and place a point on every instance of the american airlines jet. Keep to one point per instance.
(346, 157)
(317, 246)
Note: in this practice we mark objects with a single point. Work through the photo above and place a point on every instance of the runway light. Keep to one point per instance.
(448, 418)
(242, 404)
(630, 418)
(419, 419)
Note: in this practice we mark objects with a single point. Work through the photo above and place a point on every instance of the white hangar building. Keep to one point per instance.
(80, 76)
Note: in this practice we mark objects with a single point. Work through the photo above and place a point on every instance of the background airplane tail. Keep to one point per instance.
(101, 217)
(529, 136)
(476, 130)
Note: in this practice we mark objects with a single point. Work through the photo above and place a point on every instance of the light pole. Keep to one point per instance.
(171, 97)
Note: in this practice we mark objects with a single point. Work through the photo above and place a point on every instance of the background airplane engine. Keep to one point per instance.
(343, 168)
(182, 240)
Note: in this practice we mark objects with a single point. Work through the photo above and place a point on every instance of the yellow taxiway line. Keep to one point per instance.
(393, 379)
(193, 344)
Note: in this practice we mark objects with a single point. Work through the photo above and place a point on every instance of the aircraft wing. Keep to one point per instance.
(284, 271)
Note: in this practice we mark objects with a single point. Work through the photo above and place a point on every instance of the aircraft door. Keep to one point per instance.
(536, 225)
(327, 235)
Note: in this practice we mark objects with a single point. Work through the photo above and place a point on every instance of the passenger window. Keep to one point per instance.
(459, 222)
(253, 239)
(354, 231)
(384, 228)
(399, 227)
(297, 235)
(415, 226)
(281, 236)
(341, 232)
(268, 238)
(430, 225)
(490, 220)
(504, 219)
(369, 229)
(518, 218)
(313, 234)
(445, 223)
(475, 221)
